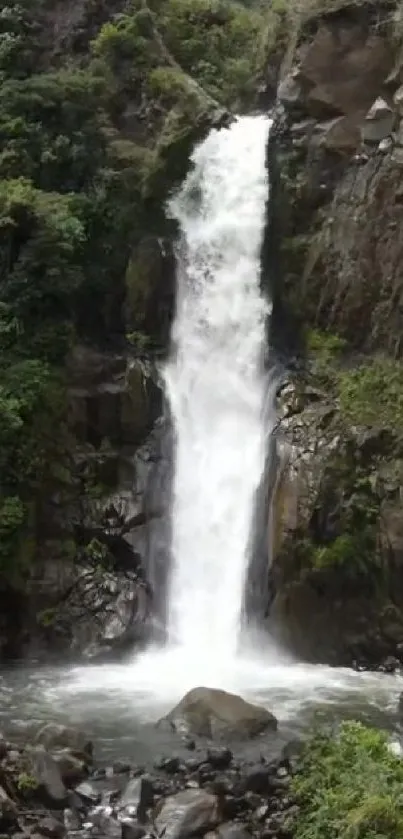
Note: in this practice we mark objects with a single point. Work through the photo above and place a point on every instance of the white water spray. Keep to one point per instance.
(215, 385)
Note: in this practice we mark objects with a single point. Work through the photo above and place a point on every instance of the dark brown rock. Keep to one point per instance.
(343, 68)
(206, 712)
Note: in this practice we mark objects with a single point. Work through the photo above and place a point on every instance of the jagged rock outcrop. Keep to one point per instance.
(338, 151)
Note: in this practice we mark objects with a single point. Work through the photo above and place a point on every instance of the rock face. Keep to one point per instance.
(111, 397)
(338, 194)
(337, 568)
(206, 712)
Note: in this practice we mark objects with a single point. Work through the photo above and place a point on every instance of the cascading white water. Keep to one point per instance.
(215, 384)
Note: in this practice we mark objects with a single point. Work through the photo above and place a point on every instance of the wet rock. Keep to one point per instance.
(206, 773)
(139, 795)
(193, 763)
(261, 812)
(256, 780)
(206, 712)
(8, 812)
(71, 819)
(132, 830)
(391, 664)
(88, 792)
(188, 813)
(3, 747)
(379, 122)
(219, 758)
(72, 769)
(51, 827)
(46, 773)
(55, 736)
(120, 767)
(168, 764)
(233, 831)
(108, 826)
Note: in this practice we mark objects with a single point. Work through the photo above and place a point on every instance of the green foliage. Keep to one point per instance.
(216, 42)
(372, 394)
(47, 617)
(40, 248)
(324, 346)
(170, 83)
(353, 553)
(50, 129)
(26, 783)
(349, 787)
(126, 47)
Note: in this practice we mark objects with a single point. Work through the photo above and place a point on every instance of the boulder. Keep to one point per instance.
(207, 712)
(8, 812)
(378, 123)
(138, 795)
(191, 812)
(72, 769)
(46, 774)
(56, 736)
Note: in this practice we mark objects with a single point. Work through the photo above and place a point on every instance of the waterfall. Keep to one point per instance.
(215, 385)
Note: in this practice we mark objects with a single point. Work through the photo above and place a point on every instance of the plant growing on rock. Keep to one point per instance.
(349, 786)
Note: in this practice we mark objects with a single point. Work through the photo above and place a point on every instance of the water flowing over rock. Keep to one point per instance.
(205, 712)
(215, 385)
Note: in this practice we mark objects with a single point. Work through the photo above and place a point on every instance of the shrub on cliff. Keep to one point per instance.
(215, 42)
(349, 787)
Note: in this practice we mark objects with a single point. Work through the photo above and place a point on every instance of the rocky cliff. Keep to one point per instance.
(337, 567)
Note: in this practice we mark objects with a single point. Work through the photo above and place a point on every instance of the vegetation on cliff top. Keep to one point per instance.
(349, 786)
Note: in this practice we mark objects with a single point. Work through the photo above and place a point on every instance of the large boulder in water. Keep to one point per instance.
(207, 712)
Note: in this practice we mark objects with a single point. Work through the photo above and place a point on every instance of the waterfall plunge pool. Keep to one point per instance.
(118, 705)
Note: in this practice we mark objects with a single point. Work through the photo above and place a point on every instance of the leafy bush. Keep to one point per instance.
(324, 346)
(349, 787)
(216, 42)
(372, 394)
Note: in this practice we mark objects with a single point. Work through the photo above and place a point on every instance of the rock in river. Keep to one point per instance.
(206, 712)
